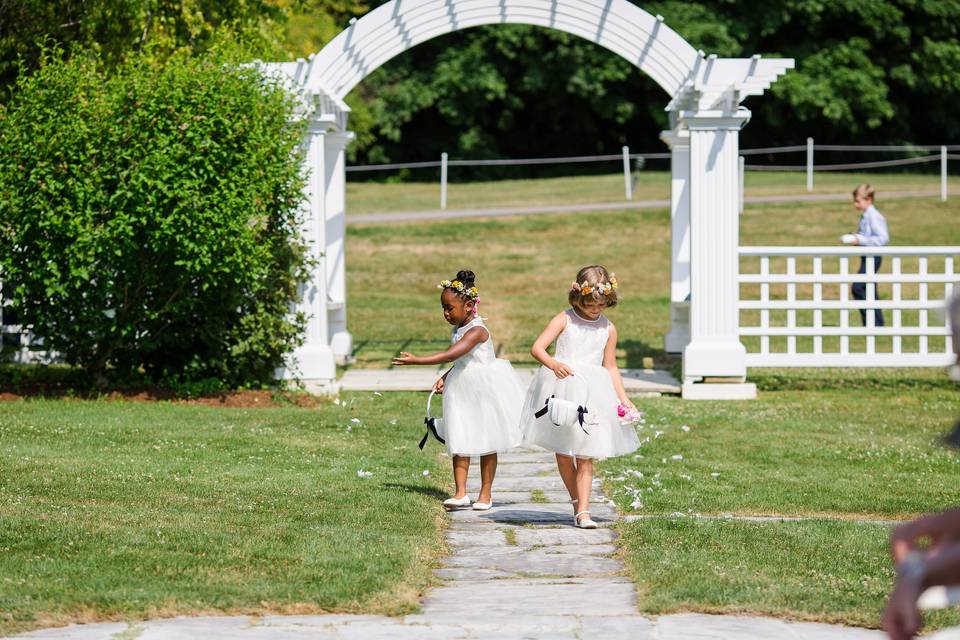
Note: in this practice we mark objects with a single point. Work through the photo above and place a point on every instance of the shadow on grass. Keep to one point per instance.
(637, 350)
(430, 492)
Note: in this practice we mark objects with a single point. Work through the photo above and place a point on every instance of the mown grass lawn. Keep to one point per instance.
(843, 452)
(121, 510)
(387, 197)
(819, 570)
(524, 266)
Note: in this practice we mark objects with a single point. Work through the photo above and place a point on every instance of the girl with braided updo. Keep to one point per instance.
(583, 372)
(482, 395)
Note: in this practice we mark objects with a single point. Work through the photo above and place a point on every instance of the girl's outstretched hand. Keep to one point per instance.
(404, 358)
(561, 370)
(438, 386)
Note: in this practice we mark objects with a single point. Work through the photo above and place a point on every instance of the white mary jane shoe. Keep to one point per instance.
(482, 506)
(584, 523)
(456, 503)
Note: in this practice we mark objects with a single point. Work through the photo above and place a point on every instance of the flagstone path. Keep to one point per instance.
(519, 570)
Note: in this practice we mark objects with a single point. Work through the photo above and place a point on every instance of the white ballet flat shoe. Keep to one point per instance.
(456, 503)
(584, 523)
(482, 506)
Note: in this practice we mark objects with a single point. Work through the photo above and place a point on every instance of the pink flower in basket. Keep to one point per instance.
(628, 415)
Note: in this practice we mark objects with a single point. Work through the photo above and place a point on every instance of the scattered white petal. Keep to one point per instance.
(349, 429)
(685, 476)
(676, 457)
(636, 504)
(685, 428)
(663, 460)
(425, 473)
(658, 434)
(336, 401)
(393, 421)
(680, 514)
(355, 420)
(637, 457)
(378, 394)
(364, 474)
(715, 474)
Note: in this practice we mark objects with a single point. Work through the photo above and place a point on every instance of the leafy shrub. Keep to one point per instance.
(149, 217)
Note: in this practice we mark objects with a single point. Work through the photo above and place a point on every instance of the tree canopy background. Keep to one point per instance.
(868, 71)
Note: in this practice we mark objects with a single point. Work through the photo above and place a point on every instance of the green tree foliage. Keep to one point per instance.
(149, 217)
(117, 28)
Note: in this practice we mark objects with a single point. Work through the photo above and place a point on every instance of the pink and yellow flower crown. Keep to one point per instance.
(603, 288)
(473, 293)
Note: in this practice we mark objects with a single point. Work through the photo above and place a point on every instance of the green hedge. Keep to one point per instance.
(149, 217)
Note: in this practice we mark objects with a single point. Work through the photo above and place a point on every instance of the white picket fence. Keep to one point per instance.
(796, 303)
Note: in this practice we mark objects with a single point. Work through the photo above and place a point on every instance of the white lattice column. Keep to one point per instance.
(715, 353)
(679, 335)
(313, 362)
(340, 339)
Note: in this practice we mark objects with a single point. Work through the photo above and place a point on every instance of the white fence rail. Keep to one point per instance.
(796, 303)
(934, 153)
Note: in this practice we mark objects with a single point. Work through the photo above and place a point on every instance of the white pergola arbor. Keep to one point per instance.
(705, 117)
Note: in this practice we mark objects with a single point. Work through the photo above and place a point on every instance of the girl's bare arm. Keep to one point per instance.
(546, 337)
(470, 339)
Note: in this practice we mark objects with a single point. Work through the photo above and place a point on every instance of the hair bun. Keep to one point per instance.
(466, 277)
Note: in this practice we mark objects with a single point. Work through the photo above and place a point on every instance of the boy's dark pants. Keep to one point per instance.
(859, 290)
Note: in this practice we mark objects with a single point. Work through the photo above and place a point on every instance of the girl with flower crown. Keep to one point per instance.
(584, 373)
(482, 395)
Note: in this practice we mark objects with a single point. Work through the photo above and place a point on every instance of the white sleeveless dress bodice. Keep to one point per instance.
(583, 340)
(482, 353)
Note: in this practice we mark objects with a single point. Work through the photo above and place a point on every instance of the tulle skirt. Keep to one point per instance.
(590, 386)
(481, 408)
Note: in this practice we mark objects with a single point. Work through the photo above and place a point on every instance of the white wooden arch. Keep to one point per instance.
(617, 25)
(705, 115)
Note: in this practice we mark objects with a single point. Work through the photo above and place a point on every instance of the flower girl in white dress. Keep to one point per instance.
(583, 371)
(482, 395)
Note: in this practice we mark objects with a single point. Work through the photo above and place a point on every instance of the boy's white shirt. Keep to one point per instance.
(873, 230)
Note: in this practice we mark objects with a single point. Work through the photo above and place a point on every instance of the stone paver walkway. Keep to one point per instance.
(520, 570)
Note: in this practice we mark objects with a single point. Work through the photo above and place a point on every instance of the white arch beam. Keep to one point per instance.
(617, 25)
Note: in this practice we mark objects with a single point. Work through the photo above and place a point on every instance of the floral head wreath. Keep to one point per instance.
(473, 293)
(603, 288)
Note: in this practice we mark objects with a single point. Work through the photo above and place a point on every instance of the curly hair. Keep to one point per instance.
(467, 279)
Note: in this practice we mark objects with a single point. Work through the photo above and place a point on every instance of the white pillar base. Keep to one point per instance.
(719, 391)
(342, 345)
(679, 336)
(310, 363)
(721, 358)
